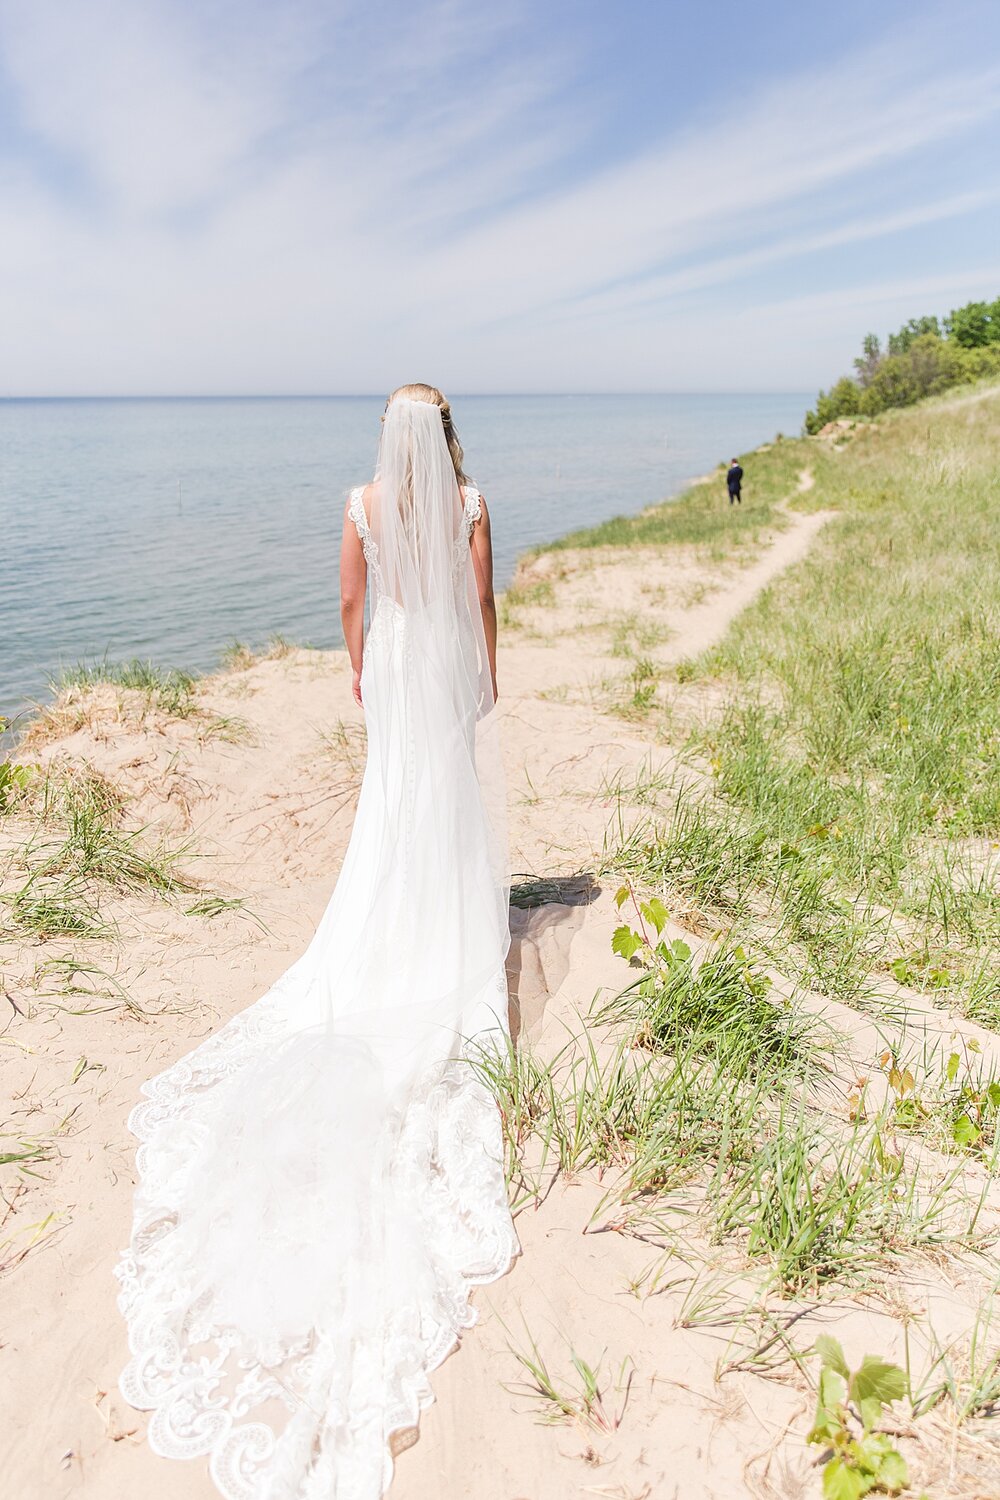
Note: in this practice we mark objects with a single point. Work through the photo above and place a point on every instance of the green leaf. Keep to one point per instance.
(832, 1391)
(877, 1458)
(680, 951)
(873, 1449)
(870, 1408)
(992, 1095)
(951, 1071)
(621, 896)
(965, 1132)
(841, 1482)
(874, 1384)
(625, 942)
(656, 913)
(829, 1420)
(893, 1474)
(824, 1429)
(832, 1355)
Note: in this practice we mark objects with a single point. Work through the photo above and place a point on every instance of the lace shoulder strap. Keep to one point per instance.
(356, 511)
(473, 507)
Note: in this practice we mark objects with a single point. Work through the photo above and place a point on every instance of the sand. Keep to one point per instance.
(269, 818)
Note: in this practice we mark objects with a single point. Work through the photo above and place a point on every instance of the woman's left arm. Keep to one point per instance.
(482, 563)
(353, 582)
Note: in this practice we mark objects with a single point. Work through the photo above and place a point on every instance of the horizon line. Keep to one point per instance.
(369, 395)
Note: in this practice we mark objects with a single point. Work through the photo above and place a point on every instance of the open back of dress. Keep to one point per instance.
(322, 1179)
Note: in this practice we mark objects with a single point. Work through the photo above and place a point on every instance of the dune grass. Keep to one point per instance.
(855, 758)
(763, 1197)
(581, 1395)
(141, 689)
(171, 690)
(699, 1089)
(701, 516)
(70, 845)
(238, 656)
(699, 1117)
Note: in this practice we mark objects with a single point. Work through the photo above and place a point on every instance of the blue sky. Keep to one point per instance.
(233, 196)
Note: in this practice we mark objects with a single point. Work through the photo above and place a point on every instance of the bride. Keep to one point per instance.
(321, 1180)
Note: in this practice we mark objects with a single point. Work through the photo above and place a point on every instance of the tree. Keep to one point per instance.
(870, 360)
(899, 343)
(934, 365)
(975, 325)
(925, 356)
(928, 366)
(842, 400)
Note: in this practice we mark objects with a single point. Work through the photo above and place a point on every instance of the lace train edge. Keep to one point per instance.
(247, 1459)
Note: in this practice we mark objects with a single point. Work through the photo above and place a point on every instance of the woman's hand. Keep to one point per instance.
(356, 686)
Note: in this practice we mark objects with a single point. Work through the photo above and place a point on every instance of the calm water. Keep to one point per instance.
(167, 529)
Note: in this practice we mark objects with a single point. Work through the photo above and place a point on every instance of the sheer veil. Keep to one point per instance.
(322, 1179)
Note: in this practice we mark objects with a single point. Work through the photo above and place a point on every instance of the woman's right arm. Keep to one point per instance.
(482, 562)
(353, 581)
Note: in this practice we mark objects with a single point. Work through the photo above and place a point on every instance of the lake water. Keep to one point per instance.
(169, 528)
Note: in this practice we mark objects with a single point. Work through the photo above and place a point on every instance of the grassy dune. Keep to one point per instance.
(830, 849)
(855, 755)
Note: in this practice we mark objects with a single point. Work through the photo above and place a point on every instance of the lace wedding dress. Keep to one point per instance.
(321, 1180)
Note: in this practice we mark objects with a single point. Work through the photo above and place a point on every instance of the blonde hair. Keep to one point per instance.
(431, 394)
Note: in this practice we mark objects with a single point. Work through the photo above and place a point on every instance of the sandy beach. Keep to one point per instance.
(702, 1392)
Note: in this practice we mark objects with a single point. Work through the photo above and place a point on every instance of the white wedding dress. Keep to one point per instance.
(322, 1180)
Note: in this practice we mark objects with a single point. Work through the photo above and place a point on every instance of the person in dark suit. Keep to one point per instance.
(733, 481)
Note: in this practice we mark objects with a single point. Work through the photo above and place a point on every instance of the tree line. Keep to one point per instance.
(925, 356)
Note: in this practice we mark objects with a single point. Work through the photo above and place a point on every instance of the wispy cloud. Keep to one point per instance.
(641, 294)
(245, 196)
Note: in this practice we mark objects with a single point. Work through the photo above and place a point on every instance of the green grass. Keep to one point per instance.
(583, 1396)
(53, 909)
(631, 634)
(77, 986)
(170, 689)
(721, 1007)
(855, 758)
(865, 686)
(743, 1151)
(238, 656)
(821, 1206)
(751, 880)
(143, 688)
(702, 516)
(528, 594)
(965, 1373)
(24, 1155)
(345, 744)
(695, 1090)
(74, 848)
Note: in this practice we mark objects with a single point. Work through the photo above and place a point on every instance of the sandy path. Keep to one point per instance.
(704, 626)
(272, 816)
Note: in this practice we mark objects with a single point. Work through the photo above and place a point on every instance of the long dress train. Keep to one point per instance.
(321, 1180)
